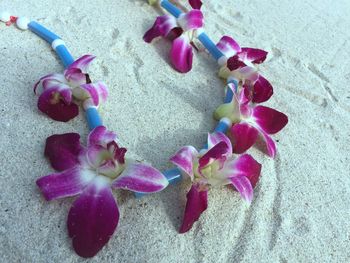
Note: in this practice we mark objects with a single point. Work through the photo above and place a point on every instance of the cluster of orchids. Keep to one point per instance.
(92, 171)
(60, 93)
(247, 120)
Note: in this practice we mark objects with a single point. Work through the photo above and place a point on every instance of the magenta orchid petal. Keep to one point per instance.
(197, 203)
(161, 27)
(82, 63)
(55, 103)
(234, 63)
(262, 90)
(98, 92)
(181, 54)
(49, 83)
(228, 46)
(269, 120)
(53, 78)
(141, 178)
(63, 150)
(195, 4)
(75, 76)
(192, 20)
(243, 137)
(118, 152)
(101, 136)
(270, 145)
(65, 94)
(255, 55)
(93, 218)
(67, 183)
(55, 82)
(119, 155)
(174, 33)
(243, 186)
(244, 165)
(217, 137)
(184, 159)
(218, 152)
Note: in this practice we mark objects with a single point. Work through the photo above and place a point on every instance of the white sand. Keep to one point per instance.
(301, 208)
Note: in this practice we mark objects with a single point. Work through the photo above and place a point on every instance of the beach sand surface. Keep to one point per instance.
(300, 211)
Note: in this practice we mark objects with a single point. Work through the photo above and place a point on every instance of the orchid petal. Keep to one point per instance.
(197, 203)
(119, 155)
(234, 63)
(270, 145)
(243, 137)
(67, 183)
(53, 78)
(141, 178)
(82, 63)
(216, 153)
(192, 20)
(55, 103)
(255, 55)
(195, 4)
(217, 137)
(101, 136)
(262, 90)
(98, 92)
(161, 27)
(228, 46)
(63, 150)
(244, 165)
(93, 218)
(174, 33)
(243, 186)
(48, 84)
(118, 152)
(181, 54)
(184, 159)
(76, 77)
(269, 120)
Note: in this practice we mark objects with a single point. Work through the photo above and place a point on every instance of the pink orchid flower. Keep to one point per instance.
(59, 90)
(249, 120)
(182, 30)
(91, 172)
(215, 167)
(241, 65)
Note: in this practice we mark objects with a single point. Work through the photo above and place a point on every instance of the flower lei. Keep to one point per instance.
(92, 171)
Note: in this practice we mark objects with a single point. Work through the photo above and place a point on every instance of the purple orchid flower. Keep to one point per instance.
(242, 66)
(216, 167)
(59, 90)
(249, 120)
(91, 172)
(182, 31)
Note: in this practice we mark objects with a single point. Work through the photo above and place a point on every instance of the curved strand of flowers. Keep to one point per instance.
(239, 116)
(92, 171)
